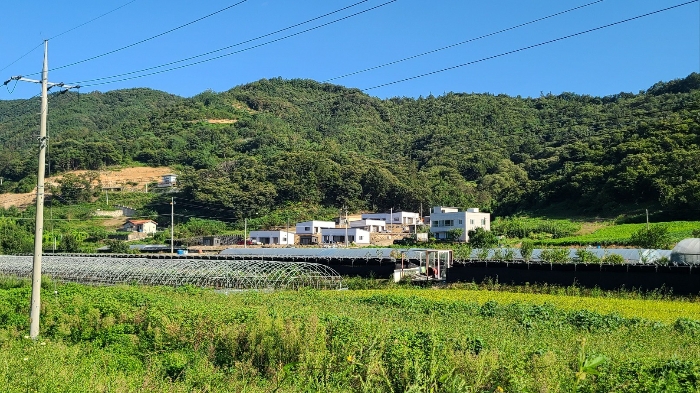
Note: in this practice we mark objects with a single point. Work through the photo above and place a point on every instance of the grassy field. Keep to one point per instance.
(620, 234)
(129, 339)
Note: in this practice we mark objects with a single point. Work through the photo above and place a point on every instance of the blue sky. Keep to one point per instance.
(628, 57)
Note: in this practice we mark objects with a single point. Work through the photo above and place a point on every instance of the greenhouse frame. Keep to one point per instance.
(217, 274)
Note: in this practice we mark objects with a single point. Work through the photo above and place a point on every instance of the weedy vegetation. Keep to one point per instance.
(396, 339)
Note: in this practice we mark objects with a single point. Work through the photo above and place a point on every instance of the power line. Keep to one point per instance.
(529, 46)
(239, 51)
(67, 31)
(230, 46)
(149, 38)
(463, 42)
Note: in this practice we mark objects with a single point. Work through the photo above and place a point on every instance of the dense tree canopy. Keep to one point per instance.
(274, 142)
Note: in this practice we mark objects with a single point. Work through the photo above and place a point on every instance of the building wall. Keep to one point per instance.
(397, 218)
(337, 235)
(149, 227)
(273, 237)
(442, 223)
(313, 227)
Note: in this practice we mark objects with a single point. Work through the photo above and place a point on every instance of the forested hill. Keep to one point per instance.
(272, 142)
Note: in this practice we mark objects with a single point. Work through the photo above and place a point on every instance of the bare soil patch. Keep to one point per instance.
(136, 176)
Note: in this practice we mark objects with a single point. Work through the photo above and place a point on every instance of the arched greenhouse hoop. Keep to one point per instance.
(217, 274)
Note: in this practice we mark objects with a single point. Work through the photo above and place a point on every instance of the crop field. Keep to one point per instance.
(620, 235)
(133, 339)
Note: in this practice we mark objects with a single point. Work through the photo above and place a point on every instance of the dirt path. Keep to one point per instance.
(137, 176)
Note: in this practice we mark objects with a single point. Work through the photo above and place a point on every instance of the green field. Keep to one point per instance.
(619, 235)
(131, 339)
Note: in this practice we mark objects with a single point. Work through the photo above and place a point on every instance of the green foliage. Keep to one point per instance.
(15, 236)
(268, 143)
(188, 339)
(555, 255)
(521, 227)
(613, 259)
(620, 235)
(200, 227)
(481, 238)
(118, 247)
(586, 256)
(526, 249)
(656, 236)
(455, 234)
(74, 188)
(70, 243)
(696, 232)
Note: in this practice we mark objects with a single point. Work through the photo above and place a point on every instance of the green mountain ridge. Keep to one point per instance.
(301, 141)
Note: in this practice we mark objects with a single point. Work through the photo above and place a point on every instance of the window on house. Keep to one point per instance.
(435, 223)
(449, 223)
(483, 221)
(360, 237)
(471, 222)
(460, 222)
(307, 228)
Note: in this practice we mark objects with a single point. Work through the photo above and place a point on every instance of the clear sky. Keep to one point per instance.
(627, 57)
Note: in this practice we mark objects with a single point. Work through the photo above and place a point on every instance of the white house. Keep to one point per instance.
(313, 227)
(445, 219)
(143, 226)
(169, 180)
(395, 218)
(272, 237)
(310, 231)
(337, 235)
(369, 225)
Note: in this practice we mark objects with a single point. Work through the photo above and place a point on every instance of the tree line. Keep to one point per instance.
(274, 142)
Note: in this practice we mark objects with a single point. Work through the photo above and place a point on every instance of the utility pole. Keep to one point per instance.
(172, 225)
(647, 210)
(35, 308)
(391, 216)
(346, 225)
(245, 232)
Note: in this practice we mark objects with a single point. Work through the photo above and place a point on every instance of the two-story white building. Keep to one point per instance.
(310, 231)
(394, 218)
(337, 235)
(445, 219)
(272, 237)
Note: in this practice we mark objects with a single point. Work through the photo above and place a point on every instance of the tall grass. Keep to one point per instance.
(161, 339)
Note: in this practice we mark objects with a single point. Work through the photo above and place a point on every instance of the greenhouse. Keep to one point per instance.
(237, 274)
(686, 252)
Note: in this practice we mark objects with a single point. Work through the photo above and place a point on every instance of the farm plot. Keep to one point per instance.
(128, 338)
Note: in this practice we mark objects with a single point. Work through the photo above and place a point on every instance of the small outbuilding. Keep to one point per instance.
(143, 226)
(272, 237)
(686, 252)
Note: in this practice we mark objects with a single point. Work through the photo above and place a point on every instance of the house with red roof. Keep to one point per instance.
(142, 226)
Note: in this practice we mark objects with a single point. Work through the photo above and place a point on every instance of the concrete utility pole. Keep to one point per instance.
(245, 232)
(647, 210)
(346, 225)
(35, 309)
(172, 225)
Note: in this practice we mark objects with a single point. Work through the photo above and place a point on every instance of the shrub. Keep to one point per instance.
(586, 256)
(555, 255)
(526, 248)
(613, 259)
(656, 236)
(481, 238)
